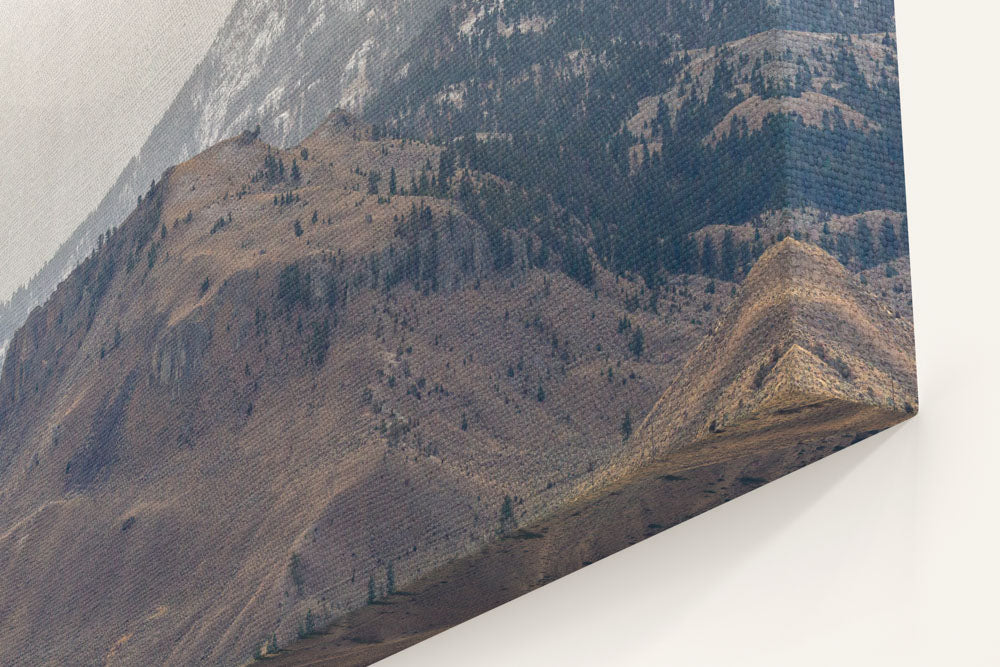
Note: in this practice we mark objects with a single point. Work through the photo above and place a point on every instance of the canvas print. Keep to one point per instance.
(407, 308)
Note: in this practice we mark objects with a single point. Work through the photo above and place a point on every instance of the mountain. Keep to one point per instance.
(202, 411)
(284, 64)
(191, 428)
(666, 119)
(571, 275)
(279, 64)
(811, 342)
(774, 387)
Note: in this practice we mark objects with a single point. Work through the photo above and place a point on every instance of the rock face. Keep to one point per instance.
(179, 359)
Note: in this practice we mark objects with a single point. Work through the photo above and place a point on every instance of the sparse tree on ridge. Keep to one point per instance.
(627, 426)
(507, 520)
(865, 245)
(888, 240)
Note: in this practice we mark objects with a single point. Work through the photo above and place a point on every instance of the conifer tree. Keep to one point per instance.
(627, 425)
(727, 256)
(708, 256)
(889, 242)
(507, 514)
(446, 169)
(865, 245)
(638, 343)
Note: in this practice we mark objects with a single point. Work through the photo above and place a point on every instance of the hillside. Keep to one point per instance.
(204, 408)
(651, 128)
(776, 386)
(198, 418)
(570, 274)
(446, 69)
(279, 64)
(806, 339)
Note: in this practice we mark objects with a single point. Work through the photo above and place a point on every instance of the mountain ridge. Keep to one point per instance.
(209, 346)
(288, 110)
(516, 317)
(245, 79)
(649, 486)
(134, 401)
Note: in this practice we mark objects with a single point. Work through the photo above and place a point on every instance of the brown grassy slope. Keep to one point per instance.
(809, 106)
(183, 472)
(714, 435)
(578, 535)
(805, 341)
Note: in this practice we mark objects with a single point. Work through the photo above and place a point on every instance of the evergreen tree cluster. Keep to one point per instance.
(542, 112)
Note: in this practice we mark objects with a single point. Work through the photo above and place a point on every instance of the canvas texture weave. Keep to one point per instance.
(407, 309)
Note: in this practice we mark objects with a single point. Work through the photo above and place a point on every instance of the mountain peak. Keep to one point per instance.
(804, 342)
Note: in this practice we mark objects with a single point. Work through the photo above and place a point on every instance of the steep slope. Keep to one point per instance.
(767, 392)
(765, 68)
(667, 119)
(806, 343)
(451, 68)
(279, 64)
(296, 380)
(273, 385)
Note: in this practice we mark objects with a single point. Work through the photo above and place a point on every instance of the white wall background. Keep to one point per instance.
(884, 554)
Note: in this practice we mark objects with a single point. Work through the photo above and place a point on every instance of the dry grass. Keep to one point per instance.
(211, 447)
(810, 107)
(233, 450)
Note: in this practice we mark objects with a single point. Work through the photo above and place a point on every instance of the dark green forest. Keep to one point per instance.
(554, 125)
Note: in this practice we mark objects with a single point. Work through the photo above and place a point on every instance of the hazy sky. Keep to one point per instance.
(82, 83)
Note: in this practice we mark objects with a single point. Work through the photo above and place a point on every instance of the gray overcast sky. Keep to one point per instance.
(82, 83)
